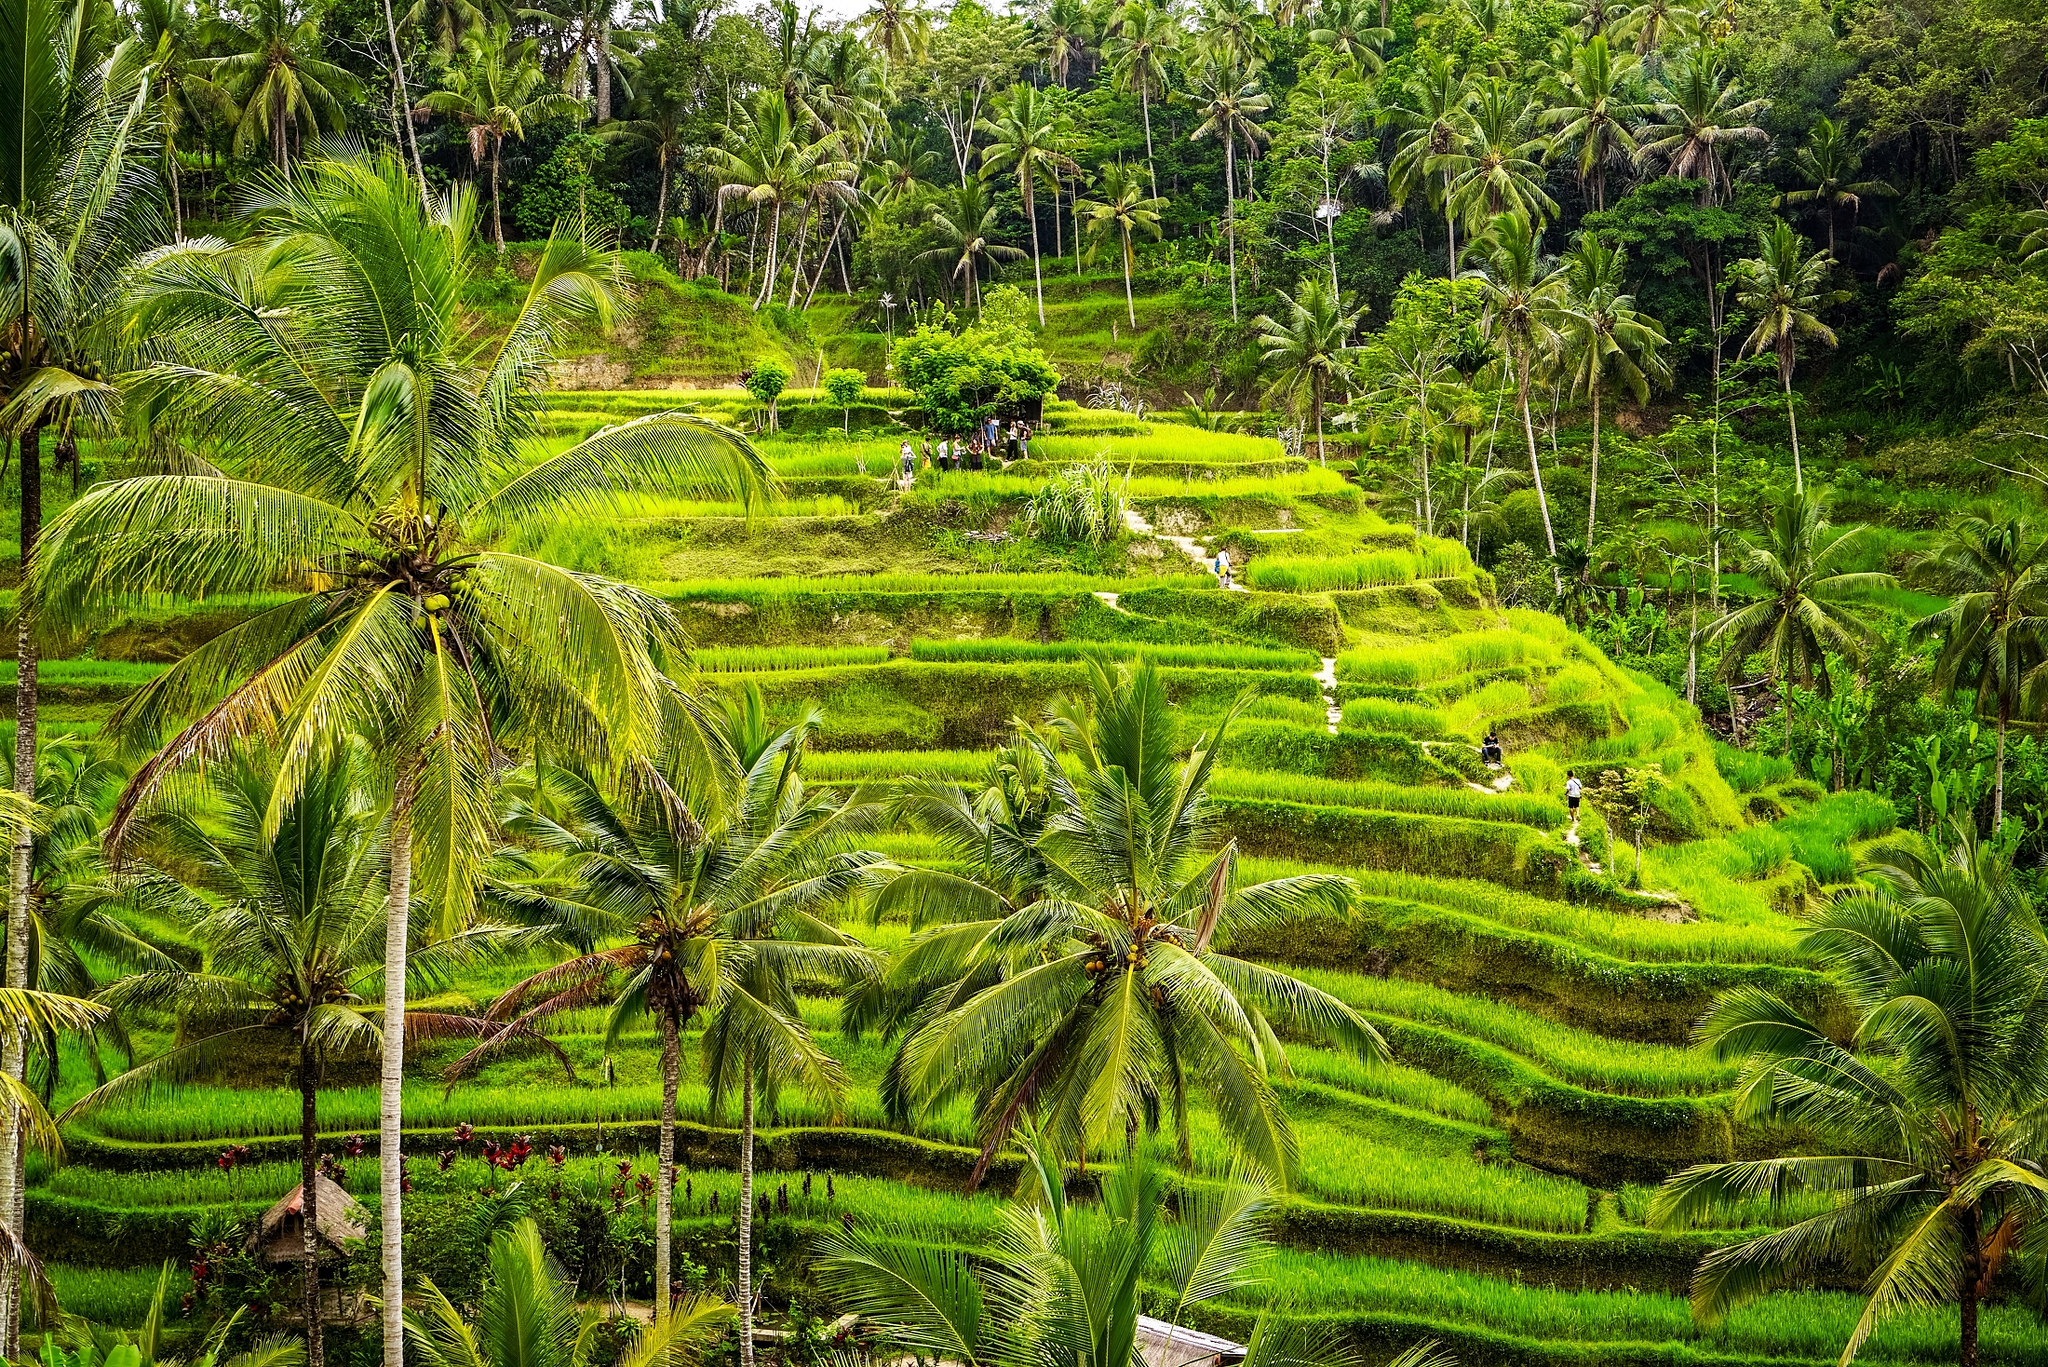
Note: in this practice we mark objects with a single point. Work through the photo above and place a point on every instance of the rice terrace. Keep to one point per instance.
(1024, 683)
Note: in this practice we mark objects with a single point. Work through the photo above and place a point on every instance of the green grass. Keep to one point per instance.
(1410, 664)
(1215, 656)
(1389, 797)
(755, 659)
(769, 590)
(1385, 714)
(1373, 569)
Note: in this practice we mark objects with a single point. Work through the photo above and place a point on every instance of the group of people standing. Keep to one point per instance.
(992, 444)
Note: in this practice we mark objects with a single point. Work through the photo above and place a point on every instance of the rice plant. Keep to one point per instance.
(1541, 812)
(1215, 655)
(745, 659)
(1404, 718)
(1082, 503)
(795, 586)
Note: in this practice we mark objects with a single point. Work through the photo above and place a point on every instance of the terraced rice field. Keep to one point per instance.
(1486, 1189)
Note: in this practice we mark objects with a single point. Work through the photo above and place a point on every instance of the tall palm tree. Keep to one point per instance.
(898, 29)
(901, 167)
(167, 43)
(1346, 28)
(359, 446)
(1023, 137)
(78, 203)
(707, 867)
(1066, 30)
(1309, 347)
(1785, 287)
(1126, 210)
(767, 163)
(1811, 599)
(1830, 163)
(965, 218)
(1097, 998)
(495, 92)
(1145, 34)
(291, 919)
(666, 132)
(1594, 105)
(1928, 1116)
(527, 1316)
(1993, 634)
(1497, 166)
(1601, 338)
(1699, 113)
(1228, 98)
(275, 72)
(451, 23)
(1432, 116)
(1519, 296)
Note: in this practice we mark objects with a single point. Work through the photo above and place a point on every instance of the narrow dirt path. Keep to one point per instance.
(1327, 677)
(1186, 545)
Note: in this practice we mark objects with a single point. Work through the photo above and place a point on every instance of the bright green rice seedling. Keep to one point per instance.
(1542, 812)
(1209, 656)
(1822, 834)
(1383, 714)
(745, 659)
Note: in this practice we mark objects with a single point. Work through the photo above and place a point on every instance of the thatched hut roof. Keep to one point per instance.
(280, 1237)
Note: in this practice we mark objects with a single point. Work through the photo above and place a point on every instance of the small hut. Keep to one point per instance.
(279, 1236)
(1170, 1345)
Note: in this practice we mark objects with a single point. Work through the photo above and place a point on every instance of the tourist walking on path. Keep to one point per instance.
(1571, 797)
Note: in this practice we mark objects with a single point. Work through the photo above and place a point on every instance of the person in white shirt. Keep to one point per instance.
(1223, 567)
(1571, 796)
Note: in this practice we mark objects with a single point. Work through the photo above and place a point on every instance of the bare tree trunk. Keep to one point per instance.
(412, 142)
(1031, 212)
(391, 1079)
(21, 868)
(309, 1222)
(604, 64)
(746, 1232)
(1998, 771)
(1145, 107)
(1535, 465)
(1792, 418)
(177, 199)
(661, 207)
(497, 222)
(1129, 307)
(665, 1172)
(1593, 474)
(1230, 223)
(768, 273)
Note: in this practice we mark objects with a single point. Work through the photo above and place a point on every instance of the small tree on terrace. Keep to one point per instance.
(844, 388)
(1309, 348)
(766, 381)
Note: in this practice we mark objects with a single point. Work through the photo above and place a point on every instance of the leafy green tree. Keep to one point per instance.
(495, 91)
(286, 899)
(1785, 287)
(1125, 210)
(275, 71)
(1024, 138)
(767, 163)
(355, 467)
(1993, 634)
(844, 389)
(1601, 337)
(765, 380)
(1812, 604)
(528, 1317)
(962, 378)
(1229, 100)
(707, 867)
(1309, 347)
(1095, 998)
(1829, 164)
(1927, 1112)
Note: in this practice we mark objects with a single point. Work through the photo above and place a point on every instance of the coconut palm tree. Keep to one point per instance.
(1594, 105)
(1657, 24)
(1309, 347)
(1497, 167)
(1125, 210)
(1601, 338)
(706, 867)
(274, 71)
(765, 164)
(1228, 98)
(1519, 296)
(1346, 28)
(1066, 30)
(1785, 287)
(1993, 634)
(291, 919)
(1432, 118)
(1927, 1113)
(1698, 115)
(1830, 163)
(1811, 599)
(359, 446)
(1102, 1001)
(1023, 138)
(527, 1316)
(964, 219)
(451, 23)
(167, 43)
(1144, 35)
(898, 29)
(495, 92)
(666, 132)
(1079, 1306)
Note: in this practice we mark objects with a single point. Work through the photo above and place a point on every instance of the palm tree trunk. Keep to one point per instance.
(1535, 465)
(309, 1222)
(177, 199)
(1971, 1290)
(1031, 213)
(1792, 418)
(21, 865)
(1998, 768)
(1145, 107)
(604, 68)
(1230, 222)
(391, 1079)
(665, 1173)
(660, 206)
(497, 219)
(1315, 390)
(746, 1232)
(768, 273)
(412, 141)
(1129, 307)
(1593, 476)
